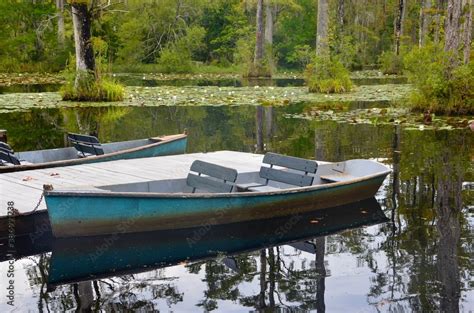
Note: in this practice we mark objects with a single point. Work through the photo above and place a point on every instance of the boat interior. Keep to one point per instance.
(71, 153)
(326, 173)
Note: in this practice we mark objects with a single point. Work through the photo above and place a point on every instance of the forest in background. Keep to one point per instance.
(179, 34)
(429, 40)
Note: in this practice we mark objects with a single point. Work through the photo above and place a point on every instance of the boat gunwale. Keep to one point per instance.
(208, 195)
(68, 162)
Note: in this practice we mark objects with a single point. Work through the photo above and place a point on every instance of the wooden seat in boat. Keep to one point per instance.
(8, 157)
(5, 147)
(218, 178)
(85, 145)
(303, 167)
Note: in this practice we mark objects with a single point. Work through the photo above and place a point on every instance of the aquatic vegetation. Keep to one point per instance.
(209, 95)
(9, 79)
(382, 116)
(390, 63)
(327, 76)
(440, 87)
(97, 90)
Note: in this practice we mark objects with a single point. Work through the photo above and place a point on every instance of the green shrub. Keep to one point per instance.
(441, 88)
(327, 75)
(390, 63)
(346, 51)
(177, 57)
(244, 55)
(90, 89)
(174, 61)
(302, 55)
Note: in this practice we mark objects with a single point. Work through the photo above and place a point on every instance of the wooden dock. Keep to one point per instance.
(25, 188)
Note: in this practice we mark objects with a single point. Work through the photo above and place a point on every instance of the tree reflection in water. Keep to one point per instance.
(419, 262)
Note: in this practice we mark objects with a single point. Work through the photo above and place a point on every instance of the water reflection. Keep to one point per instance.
(420, 261)
(141, 80)
(93, 263)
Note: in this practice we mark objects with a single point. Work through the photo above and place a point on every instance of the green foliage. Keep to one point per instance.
(225, 23)
(244, 56)
(296, 28)
(173, 60)
(244, 52)
(177, 56)
(441, 88)
(327, 75)
(302, 55)
(346, 51)
(390, 63)
(105, 29)
(28, 40)
(87, 88)
(149, 27)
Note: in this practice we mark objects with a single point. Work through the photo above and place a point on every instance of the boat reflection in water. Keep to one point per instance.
(90, 258)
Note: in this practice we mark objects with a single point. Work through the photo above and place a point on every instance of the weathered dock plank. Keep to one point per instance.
(25, 188)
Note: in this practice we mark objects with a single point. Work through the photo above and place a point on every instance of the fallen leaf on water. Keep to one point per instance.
(314, 221)
(27, 178)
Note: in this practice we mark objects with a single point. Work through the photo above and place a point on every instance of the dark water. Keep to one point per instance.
(410, 250)
(143, 81)
(30, 88)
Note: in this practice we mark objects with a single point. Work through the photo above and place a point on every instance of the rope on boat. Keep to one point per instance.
(39, 203)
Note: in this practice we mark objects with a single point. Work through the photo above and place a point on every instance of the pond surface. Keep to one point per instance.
(410, 249)
(41, 84)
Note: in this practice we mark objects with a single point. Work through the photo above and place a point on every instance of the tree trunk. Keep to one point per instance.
(425, 21)
(451, 31)
(85, 63)
(321, 271)
(259, 119)
(322, 44)
(399, 25)
(263, 282)
(268, 24)
(448, 210)
(468, 30)
(439, 9)
(84, 296)
(340, 16)
(259, 36)
(269, 32)
(60, 9)
(340, 25)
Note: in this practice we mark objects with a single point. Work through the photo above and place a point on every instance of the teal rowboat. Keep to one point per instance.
(170, 203)
(87, 258)
(132, 149)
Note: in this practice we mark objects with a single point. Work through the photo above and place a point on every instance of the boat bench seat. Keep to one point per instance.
(336, 178)
(218, 178)
(298, 177)
(8, 157)
(261, 188)
(85, 145)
